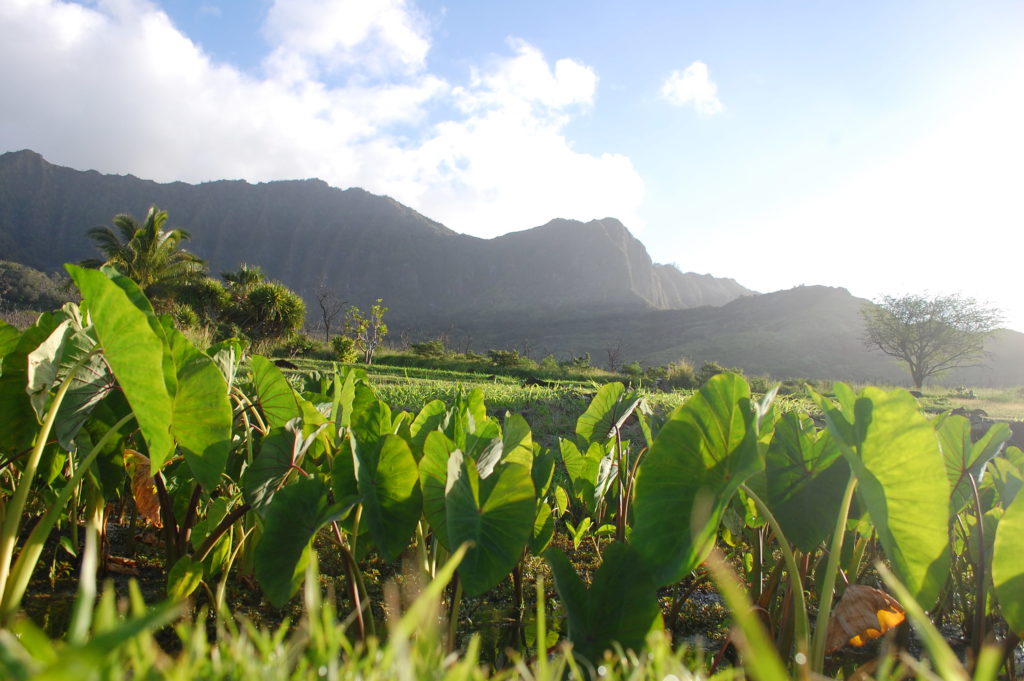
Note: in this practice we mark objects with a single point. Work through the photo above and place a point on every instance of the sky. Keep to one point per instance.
(876, 145)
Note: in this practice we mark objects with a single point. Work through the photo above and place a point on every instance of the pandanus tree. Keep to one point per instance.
(263, 309)
(243, 280)
(147, 253)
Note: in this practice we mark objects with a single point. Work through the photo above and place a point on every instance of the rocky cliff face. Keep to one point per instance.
(363, 246)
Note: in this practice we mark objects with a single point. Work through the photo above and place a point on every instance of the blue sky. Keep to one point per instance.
(872, 145)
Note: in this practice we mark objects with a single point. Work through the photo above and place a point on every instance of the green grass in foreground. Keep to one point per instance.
(122, 643)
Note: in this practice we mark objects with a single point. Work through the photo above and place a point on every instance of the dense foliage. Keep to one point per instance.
(247, 305)
(248, 471)
(24, 288)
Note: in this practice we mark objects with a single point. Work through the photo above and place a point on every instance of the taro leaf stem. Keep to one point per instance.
(218, 532)
(800, 625)
(978, 632)
(33, 548)
(13, 511)
(453, 622)
(825, 601)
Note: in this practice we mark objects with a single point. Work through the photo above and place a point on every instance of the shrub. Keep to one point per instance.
(761, 384)
(709, 369)
(184, 316)
(297, 345)
(207, 298)
(681, 374)
(345, 349)
(549, 364)
(431, 349)
(655, 373)
(505, 358)
(633, 370)
(581, 362)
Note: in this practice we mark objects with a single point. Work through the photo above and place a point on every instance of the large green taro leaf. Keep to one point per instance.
(389, 490)
(69, 354)
(344, 394)
(45, 365)
(467, 424)
(201, 422)
(276, 397)
(516, 441)
(297, 513)
(268, 470)
(805, 476)
(433, 467)
(18, 424)
(135, 349)
(542, 470)
(1008, 565)
(620, 607)
(8, 338)
(965, 458)
(590, 472)
(706, 449)
(609, 409)
(543, 528)
(90, 385)
(495, 514)
(371, 419)
(427, 421)
(1007, 474)
(893, 450)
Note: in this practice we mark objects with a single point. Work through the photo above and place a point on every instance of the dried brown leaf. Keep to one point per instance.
(862, 614)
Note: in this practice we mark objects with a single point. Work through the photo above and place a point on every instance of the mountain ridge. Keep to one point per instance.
(307, 233)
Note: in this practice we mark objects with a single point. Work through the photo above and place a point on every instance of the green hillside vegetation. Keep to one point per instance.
(25, 288)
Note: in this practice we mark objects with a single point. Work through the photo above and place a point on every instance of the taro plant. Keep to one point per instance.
(598, 461)
(63, 368)
(721, 444)
(705, 449)
(480, 485)
(972, 514)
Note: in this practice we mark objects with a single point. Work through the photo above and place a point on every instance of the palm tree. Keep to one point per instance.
(147, 254)
(242, 281)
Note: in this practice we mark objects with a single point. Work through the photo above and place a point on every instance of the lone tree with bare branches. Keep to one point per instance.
(331, 307)
(930, 334)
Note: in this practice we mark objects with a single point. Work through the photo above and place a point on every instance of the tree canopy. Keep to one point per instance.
(175, 281)
(930, 334)
(147, 254)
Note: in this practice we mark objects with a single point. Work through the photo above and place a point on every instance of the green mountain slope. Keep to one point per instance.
(363, 246)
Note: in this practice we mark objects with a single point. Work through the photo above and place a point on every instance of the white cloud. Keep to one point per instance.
(693, 87)
(527, 80)
(375, 37)
(118, 88)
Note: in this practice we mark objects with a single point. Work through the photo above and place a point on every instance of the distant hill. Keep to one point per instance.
(306, 233)
(811, 332)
